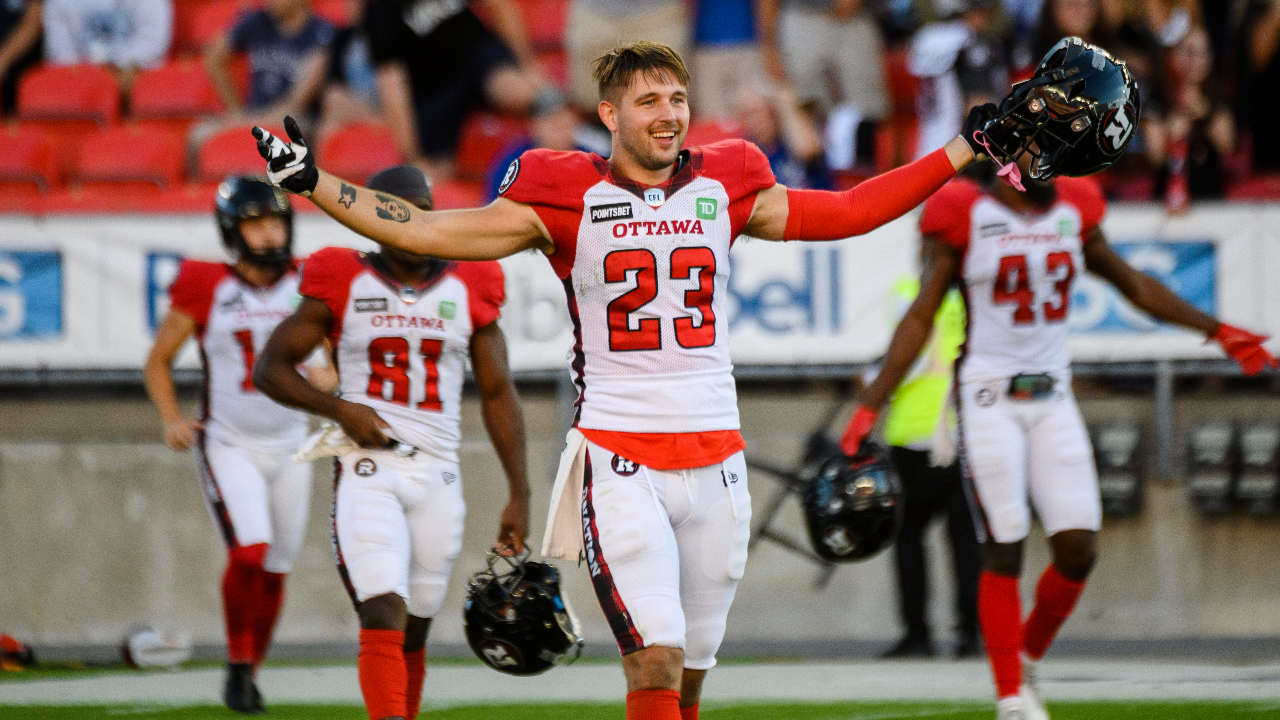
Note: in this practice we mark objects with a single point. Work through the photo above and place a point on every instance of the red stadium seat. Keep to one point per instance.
(705, 132)
(484, 135)
(188, 198)
(230, 152)
(177, 90)
(1258, 187)
(132, 159)
(73, 92)
(336, 12)
(210, 20)
(28, 162)
(555, 67)
(452, 195)
(357, 151)
(544, 21)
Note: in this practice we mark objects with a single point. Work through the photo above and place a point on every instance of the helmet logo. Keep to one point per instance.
(499, 654)
(1117, 126)
(838, 540)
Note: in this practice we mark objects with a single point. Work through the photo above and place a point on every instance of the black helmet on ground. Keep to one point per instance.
(853, 506)
(515, 618)
(1080, 110)
(240, 197)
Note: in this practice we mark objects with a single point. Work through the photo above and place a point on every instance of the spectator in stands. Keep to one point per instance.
(351, 90)
(960, 64)
(831, 52)
(20, 29)
(1084, 19)
(725, 58)
(1262, 36)
(554, 126)
(286, 46)
(435, 60)
(1197, 130)
(594, 27)
(124, 34)
(777, 124)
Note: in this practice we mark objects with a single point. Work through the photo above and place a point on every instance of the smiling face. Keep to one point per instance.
(649, 119)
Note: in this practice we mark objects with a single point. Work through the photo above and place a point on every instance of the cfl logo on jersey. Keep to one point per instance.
(365, 467)
(624, 467)
(1116, 128)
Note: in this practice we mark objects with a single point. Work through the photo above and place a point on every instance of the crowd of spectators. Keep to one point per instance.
(831, 90)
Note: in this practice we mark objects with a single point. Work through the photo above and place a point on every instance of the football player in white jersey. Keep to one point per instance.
(402, 327)
(244, 441)
(1024, 444)
(652, 485)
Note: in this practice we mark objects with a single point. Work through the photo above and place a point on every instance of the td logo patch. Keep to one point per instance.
(513, 171)
(365, 467)
(706, 209)
(625, 467)
(447, 309)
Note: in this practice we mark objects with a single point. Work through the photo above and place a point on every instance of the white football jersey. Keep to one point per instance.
(233, 321)
(646, 273)
(1017, 275)
(403, 350)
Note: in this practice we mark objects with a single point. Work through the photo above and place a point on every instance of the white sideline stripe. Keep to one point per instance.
(728, 684)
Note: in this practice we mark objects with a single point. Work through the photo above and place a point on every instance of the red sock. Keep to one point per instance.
(1000, 614)
(1056, 597)
(382, 672)
(653, 705)
(240, 599)
(270, 598)
(689, 713)
(416, 665)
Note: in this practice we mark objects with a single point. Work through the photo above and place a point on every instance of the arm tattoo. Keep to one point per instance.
(348, 196)
(391, 208)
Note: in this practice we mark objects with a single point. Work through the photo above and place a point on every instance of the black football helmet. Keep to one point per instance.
(1080, 110)
(515, 618)
(240, 197)
(853, 506)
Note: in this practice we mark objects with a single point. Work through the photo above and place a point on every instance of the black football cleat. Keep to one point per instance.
(239, 693)
(910, 646)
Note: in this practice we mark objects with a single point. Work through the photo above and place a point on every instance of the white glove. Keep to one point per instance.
(329, 441)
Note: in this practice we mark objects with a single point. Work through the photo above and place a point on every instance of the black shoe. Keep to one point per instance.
(910, 646)
(239, 693)
(969, 645)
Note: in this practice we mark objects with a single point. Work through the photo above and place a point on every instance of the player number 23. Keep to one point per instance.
(1013, 287)
(647, 333)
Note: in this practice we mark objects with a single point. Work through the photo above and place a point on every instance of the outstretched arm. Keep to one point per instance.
(502, 228)
(1153, 298)
(504, 422)
(276, 375)
(941, 262)
(784, 214)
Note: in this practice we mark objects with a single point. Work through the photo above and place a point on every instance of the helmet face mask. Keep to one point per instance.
(1075, 117)
(242, 197)
(515, 618)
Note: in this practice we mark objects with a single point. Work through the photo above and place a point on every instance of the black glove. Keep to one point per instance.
(975, 127)
(290, 165)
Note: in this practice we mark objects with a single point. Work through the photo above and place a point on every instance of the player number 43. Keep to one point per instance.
(1013, 287)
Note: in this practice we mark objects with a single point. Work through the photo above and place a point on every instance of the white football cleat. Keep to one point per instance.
(1010, 708)
(1032, 701)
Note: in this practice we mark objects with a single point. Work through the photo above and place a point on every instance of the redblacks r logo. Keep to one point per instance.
(625, 467)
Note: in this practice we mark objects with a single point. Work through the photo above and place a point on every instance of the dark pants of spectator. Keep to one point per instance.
(928, 491)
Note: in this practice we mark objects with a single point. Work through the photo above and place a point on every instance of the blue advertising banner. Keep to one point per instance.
(30, 295)
(1189, 269)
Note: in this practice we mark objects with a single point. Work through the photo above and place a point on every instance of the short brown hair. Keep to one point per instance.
(616, 70)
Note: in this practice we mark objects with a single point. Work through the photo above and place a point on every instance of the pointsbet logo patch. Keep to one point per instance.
(706, 208)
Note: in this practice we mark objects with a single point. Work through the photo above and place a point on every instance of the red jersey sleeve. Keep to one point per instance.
(553, 184)
(947, 212)
(743, 170)
(1086, 195)
(486, 290)
(327, 276)
(192, 291)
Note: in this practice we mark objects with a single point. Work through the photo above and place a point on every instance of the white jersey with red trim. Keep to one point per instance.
(646, 272)
(234, 318)
(403, 350)
(1017, 275)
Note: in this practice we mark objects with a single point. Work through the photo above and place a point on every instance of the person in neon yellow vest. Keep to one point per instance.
(920, 428)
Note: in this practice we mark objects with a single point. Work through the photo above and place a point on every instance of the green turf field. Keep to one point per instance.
(843, 711)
